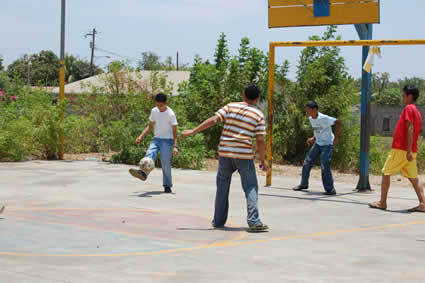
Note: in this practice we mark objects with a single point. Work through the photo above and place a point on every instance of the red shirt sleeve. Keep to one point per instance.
(409, 114)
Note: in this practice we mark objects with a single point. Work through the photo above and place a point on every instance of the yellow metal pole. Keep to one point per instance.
(349, 42)
(61, 106)
(62, 80)
(270, 115)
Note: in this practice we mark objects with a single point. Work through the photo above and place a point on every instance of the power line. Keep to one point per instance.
(115, 54)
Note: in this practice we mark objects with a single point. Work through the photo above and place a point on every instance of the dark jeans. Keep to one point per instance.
(327, 179)
(246, 169)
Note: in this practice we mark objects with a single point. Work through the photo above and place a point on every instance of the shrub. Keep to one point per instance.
(15, 140)
(80, 134)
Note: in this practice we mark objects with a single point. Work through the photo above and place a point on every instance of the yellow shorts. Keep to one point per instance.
(397, 161)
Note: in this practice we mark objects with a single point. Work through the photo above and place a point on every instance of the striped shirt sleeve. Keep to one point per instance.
(261, 127)
(222, 113)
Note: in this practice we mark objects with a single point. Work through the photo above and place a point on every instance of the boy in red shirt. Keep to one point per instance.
(403, 151)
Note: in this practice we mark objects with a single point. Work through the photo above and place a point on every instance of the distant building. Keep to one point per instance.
(143, 79)
(385, 118)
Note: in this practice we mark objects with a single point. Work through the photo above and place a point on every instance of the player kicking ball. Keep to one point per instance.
(165, 141)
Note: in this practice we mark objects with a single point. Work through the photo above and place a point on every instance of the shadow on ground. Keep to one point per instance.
(150, 194)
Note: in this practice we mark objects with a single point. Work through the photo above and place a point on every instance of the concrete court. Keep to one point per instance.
(88, 221)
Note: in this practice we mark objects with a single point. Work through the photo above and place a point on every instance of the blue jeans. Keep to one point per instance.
(165, 146)
(246, 169)
(327, 179)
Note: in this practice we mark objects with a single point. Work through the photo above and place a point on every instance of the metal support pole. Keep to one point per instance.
(365, 32)
(62, 82)
(92, 52)
(270, 115)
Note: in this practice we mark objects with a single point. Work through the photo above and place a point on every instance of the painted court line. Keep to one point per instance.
(241, 235)
(227, 243)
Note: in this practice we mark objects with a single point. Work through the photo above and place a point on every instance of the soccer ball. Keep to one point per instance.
(147, 164)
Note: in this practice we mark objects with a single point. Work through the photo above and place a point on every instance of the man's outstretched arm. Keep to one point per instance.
(203, 126)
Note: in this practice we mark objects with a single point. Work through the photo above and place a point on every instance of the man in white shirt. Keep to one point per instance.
(324, 140)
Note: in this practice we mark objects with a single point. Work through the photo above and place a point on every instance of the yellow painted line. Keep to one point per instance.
(225, 243)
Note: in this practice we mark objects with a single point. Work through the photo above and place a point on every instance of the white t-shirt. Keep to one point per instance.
(322, 127)
(163, 122)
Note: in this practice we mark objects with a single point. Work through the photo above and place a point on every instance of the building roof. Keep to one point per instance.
(141, 80)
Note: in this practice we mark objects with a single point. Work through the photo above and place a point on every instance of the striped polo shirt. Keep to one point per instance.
(242, 121)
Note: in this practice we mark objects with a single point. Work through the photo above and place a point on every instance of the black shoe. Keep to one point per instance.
(138, 174)
(300, 188)
(167, 190)
(258, 227)
(332, 193)
(219, 227)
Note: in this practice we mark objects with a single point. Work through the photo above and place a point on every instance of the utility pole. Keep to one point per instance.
(177, 65)
(62, 80)
(92, 46)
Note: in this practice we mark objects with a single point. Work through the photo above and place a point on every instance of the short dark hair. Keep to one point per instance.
(160, 97)
(411, 90)
(252, 91)
(312, 105)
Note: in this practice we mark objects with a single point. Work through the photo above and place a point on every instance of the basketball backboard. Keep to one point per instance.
(293, 13)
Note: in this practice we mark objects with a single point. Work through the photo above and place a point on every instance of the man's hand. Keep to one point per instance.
(265, 166)
(139, 140)
(336, 140)
(175, 151)
(310, 141)
(186, 133)
(409, 156)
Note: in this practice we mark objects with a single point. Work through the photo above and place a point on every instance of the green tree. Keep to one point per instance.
(77, 69)
(243, 52)
(44, 68)
(255, 64)
(1, 64)
(389, 97)
(380, 81)
(168, 64)
(221, 54)
(118, 66)
(149, 62)
(234, 81)
(389, 93)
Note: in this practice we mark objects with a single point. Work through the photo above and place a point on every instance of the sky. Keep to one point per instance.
(129, 27)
